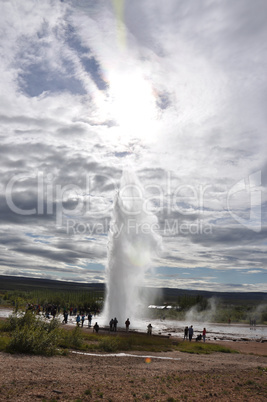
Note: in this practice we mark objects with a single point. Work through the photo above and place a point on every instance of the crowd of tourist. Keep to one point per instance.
(189, 332)
(81, 315)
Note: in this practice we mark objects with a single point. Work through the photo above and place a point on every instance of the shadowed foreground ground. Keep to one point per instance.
(218, 376)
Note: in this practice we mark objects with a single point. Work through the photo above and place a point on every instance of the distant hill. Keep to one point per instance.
(172, 294)
(28, 284)
(168, 295)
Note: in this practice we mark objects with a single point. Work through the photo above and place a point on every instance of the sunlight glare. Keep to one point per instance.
(133, 105)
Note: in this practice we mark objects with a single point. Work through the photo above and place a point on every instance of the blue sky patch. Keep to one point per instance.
(37, 80)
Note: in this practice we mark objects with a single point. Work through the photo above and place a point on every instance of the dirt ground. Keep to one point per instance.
(187, 377)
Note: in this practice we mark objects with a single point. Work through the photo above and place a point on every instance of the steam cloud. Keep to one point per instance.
(133, 244)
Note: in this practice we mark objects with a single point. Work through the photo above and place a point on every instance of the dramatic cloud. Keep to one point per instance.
(176, 90)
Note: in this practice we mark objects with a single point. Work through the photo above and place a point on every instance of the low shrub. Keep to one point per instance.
(71, 339)
(10, 324)
(33, 341)
(4, 340)
(20, 320)
(32, 335)
(109, 344)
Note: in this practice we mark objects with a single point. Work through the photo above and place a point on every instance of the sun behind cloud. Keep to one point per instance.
(132, 104)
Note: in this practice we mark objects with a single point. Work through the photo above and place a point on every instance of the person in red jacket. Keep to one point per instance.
(204, 334)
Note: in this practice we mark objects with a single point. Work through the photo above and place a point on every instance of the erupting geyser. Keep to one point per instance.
(132, 246)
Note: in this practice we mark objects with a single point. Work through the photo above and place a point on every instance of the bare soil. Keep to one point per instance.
(218, 376)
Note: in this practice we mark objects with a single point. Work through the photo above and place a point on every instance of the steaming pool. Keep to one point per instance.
(214, 330)
(175, 328)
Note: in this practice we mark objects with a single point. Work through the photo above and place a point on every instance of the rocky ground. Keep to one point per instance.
(191, 377)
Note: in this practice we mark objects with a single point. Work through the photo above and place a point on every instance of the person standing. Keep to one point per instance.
(127, 324)
(89, 319)
(83, 318)
(149, 329)
(66, 317)
(204, 334)
(186, 333)
(115, 322)
(190, 333)
(111, 325)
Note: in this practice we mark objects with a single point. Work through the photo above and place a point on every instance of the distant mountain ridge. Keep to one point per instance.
(11, 283)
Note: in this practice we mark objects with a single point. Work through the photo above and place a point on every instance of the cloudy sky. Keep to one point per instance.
(176, 90)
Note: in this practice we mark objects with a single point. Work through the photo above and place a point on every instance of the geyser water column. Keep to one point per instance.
(133, 244)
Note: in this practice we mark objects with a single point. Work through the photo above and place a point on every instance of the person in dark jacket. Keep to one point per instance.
(115, 322)
(127, 324)
(186, 333)
(190, 333)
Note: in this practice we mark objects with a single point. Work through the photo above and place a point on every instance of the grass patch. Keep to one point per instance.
(114, 343)
(88, 392)
(28, 333)
(109, 344)
(202, 348)
(4, 340)
(140, 342)
(136, 342)
(262, 369)
(71, 339)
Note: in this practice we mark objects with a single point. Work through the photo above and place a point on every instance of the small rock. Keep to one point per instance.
(57, 391)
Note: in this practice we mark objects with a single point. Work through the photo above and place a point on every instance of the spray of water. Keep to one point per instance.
(207, 315)
(133, 245)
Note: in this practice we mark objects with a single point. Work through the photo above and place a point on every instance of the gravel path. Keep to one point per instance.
(219, 376)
